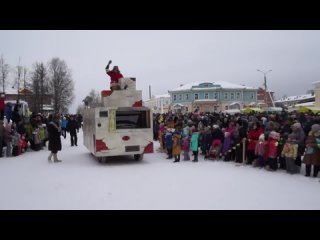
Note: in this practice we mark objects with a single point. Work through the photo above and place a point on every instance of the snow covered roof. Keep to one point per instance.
(296, 98)
(215, 85)
(162, 96)
(308, 104)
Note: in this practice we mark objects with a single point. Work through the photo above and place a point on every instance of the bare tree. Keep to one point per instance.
(93, 99)
(61, 85)
(4, 71)
(39, 86)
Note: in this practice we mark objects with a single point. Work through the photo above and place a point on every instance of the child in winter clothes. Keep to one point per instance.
(16, 148)
(260, 151)
(312, 153)
(194, 144)
(253, 138)
(186, 147)
(214, 152)
(7, 138)
(36, 139)
(290, 151)
(272, 150)
(162, 132)
(168, 139)
(176, 146)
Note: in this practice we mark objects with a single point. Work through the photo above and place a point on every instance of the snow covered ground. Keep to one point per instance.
(80, 182)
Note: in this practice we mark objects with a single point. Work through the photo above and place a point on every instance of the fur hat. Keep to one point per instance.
(261, 138)
(274, 135)
(315, 128)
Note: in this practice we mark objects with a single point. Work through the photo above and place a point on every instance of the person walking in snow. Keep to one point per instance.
(54, 132)
(73, 128)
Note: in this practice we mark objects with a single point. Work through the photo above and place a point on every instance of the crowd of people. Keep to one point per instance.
(18, 134)
(271, 141)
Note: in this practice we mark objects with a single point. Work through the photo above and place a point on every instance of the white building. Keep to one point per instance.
(295, 101)
(159, 103)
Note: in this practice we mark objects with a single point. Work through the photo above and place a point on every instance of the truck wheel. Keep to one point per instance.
(138, 157)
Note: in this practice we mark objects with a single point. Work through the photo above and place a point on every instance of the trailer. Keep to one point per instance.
(119, 125)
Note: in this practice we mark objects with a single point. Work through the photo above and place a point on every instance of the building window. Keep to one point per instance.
(186, 109)
(216, 95)
(237, 95)
(252, 95)
(225, 95)
(196, 96)
(187, 96)
(180, 97)
(232, 96)
(174, 97)
(206, 96)
(215, 108)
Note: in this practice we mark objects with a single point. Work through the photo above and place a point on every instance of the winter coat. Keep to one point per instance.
(312, 153)
(64, 123)
(176, 147)
(72, 127)
(253, 137)
(29, 130)
(7, 133)
(168, 139)
(217, 134)
(16, 117)
(42, 133)
(194, 142)
(186, 144)
(54, 137)
(8, 111)
(260, 148)
(227, 144)
(15, 139)
(271, 149)
(290, 150)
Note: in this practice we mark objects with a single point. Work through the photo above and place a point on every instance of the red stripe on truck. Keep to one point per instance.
(149, 148)
(101, 145)
(137, 104)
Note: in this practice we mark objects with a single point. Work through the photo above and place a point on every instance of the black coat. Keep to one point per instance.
(54, 138)
(72, 126)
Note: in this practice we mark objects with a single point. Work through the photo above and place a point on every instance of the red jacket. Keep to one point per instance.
(272, 148)
(253, 137)
(114, 76)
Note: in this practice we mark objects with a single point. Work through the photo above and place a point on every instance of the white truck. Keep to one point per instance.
(120, 125)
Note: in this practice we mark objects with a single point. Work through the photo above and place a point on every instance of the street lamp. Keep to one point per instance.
(265, 83)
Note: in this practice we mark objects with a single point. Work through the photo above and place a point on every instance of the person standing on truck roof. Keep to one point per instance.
(115, 75)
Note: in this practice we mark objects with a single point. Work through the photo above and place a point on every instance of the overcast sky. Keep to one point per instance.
(166, 59)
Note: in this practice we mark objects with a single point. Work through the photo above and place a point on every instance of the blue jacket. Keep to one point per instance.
(168, 140)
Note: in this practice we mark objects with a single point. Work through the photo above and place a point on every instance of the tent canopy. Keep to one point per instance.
(304, 109)
(250, 110)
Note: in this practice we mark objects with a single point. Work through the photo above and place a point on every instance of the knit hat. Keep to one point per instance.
(296, 125)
